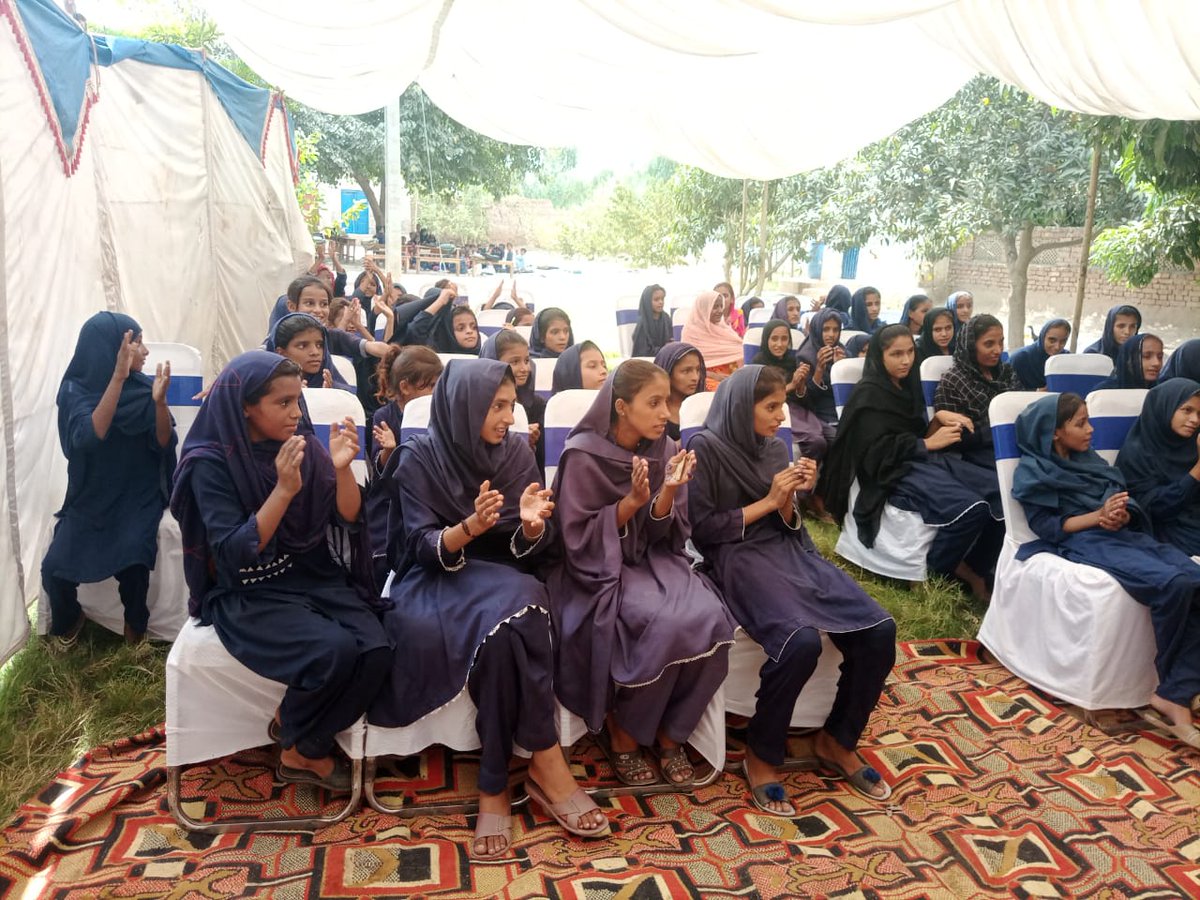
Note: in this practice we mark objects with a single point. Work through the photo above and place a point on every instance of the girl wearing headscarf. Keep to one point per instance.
(752, 304)
(705, 329)
(643, 641)
(780, 589)
(1184, 362)
(1078, 507)
(474, 519)
(916, 308)
(788, 309)
(1139, 362)
(551, 334)
(976, 377)
(303, 340)
(864, 310)
(884, 443)
(1029, 362)
(839, 298)
(277, 559)
(733, 316)
(653, 329)
(937, 335)
(776, 351)
(856, 345)
(581, 366)
(445, 326)
(962, 305)
(1121, 323)
(685, 369)
(510, 348)
(116, 432)
(1160, 460)
(821, 349)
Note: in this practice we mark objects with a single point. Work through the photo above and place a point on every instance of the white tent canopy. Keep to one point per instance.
(742, 88)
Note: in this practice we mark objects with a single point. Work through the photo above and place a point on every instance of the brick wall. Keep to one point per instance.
(1171, 299)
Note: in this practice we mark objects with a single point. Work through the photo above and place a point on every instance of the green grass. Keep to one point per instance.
(53, 707)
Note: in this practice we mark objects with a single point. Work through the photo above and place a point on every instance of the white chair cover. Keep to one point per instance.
(760, 317)
(563, 413)
(815, 701)
(1112, 414)
(1077, 373)
(345, 368)
(627, 316)
(900, 547)
(1066, 628)
(844, 375)
(491, 320)
(932, 371)
(678, 318)
(329, 405)
(543, 377)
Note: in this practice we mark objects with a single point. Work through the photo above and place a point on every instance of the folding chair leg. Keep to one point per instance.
(412, 810)
(249, 823)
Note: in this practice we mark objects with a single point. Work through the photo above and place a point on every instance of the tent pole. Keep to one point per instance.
(1085, 249)
(395, 201)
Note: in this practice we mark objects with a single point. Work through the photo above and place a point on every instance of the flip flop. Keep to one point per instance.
(492, 825)
(862, 779)
(337, 781)
(623, 764)
(1185, 734)
(569, 812)
(768, 792)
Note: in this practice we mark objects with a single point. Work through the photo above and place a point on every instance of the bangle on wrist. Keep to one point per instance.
(466, 530)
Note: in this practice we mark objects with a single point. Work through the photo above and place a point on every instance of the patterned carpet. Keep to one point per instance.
(998, 793)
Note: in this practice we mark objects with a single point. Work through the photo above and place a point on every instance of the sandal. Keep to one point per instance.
(862, 779)
(1185, 734)
(570, 812)
(674, 762)
(626, 766)
(492, 825)
(65, 642)
(768, 792)
(337, 781)
(275, 731)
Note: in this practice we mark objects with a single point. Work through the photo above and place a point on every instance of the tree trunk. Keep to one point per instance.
(763, 261)
(1018, 254)
(742, 239)
(1085, 249)
(364, 185)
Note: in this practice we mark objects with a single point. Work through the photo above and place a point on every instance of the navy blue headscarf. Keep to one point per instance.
(838, 298)
(220, 434)
(1127, 373)
(1184, 362)
(1153, 454)
(317, 379)
(815, 339)
(764, 356)
(650, 333)
(952, 305)
(526, 394)
(856, 344)
(1108, 344)
(1030, 361)
(859, 320)
(909, 305)
(568, 370)
(537, 341)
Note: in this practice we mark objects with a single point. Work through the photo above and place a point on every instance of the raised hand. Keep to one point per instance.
(125, 356)
(326, 379)
(808, 473)
(536, 506)
(287, 465)
(639, 489)
(343, 443)
(816, 303)
(487, 508)
(162, 381)
(352, 317)
(679, 470)
(384, 439)
(783, 486)
(825, 357)
(535, 432)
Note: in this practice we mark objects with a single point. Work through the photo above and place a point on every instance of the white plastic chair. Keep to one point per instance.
(844, 375)
(932, 371)
(187, 380)
(326, 406)
(1066, 628)
(1076, 373)
(1112, 414)
(491, 320)
(217, 707)
(563, 412)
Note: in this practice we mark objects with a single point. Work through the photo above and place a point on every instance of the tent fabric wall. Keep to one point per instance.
(743, 88)
(170, 216)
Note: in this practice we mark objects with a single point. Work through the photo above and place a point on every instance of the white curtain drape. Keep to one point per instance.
(743, 88)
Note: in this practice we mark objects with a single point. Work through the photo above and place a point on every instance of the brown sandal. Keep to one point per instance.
(626, 766)
(674, 762)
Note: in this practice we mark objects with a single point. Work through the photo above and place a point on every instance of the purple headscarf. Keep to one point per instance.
(673, 353)
(220, 434)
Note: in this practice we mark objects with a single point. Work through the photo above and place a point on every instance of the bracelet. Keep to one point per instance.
(466, 530)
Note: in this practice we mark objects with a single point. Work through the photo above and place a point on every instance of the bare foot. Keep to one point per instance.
(759, 773)
(293, 759)
(977, 585)
(849, 761)
(550, 772)
(497, 804)
(1175, 712)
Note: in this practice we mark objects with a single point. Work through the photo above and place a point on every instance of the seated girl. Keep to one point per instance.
(312, 296)
(779, 588)
(474, 519)
(260, 506)
(1077, 505)
(705, 329)
(839, 298)
(522, 315)
(404, 374)
(653, 329)
(788, 309)
(302, 339)
(1161, 462)
(937, 335)
(510, 348)
(685, 368)
(551, 334)
(864, 310)
(856, 345)
(116, 432)
(642, 640)
(752, 304)
(1184, 362)
(580, 366)
(962, 305)
(1121, 323)
(776, 351)
(821, 349)
(916, 308)
(1139, 362)
(1030, 361)
(733, 316)
(977, 376)
(884, 443)
(446, 326)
